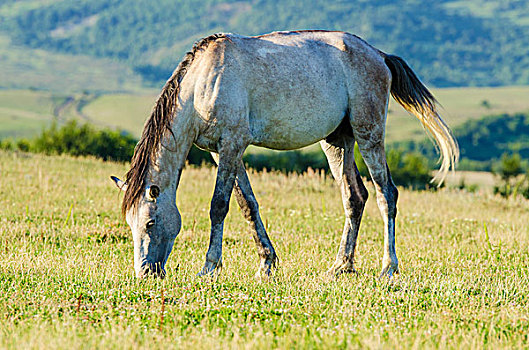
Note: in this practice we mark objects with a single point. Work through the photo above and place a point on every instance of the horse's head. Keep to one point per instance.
(155, 222)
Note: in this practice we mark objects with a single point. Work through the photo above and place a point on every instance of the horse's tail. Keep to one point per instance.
(407, 89)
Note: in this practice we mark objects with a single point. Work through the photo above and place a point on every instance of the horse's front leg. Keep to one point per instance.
(226, 174)
(250, 209)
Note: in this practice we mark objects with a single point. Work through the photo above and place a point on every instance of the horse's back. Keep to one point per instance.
(294, 87)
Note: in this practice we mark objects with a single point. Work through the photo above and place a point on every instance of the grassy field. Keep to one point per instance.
(20, 108)
(459, 105)
(22, 67)
(66, 277)
(25, 113)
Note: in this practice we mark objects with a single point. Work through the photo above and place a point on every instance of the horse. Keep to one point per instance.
(282, 91)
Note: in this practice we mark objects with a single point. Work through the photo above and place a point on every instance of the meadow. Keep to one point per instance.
(24, 113)
(67, 279)
(24, 67)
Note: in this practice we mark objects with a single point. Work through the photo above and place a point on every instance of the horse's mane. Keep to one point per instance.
(156, 127)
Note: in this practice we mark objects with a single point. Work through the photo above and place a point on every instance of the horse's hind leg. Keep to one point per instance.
(370, 138)
(250, 209)
(354, 196)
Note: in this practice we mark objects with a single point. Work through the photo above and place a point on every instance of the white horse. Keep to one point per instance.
(282, 90)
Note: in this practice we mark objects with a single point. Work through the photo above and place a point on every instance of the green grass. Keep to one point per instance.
(66, 277)
(121, 110)
(24, 113)
(129, 111)
(457, 106)
(40, 69)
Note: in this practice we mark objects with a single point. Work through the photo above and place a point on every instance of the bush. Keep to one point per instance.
(7, 145)
(78, 140)
(509, 167)
(23, 145)
(286, 161)
(83, 140)
(197, 156)
(510, 182)
(86, 140)
(407, 169)
(472, 188)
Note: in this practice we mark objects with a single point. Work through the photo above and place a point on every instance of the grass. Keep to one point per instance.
(457, 106)
(482, 179)
(66, 277)
(121, 110)
(40, 69)
(23, 113)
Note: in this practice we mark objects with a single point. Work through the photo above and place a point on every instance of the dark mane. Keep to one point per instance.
(156, 127)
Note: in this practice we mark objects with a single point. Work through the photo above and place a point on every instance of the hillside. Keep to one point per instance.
(23, 113)
(483, 141)
(450, 43)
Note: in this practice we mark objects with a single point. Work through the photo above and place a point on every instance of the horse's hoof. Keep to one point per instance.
(389, 270)
(264, 274)
(211, 270)
(340, 270)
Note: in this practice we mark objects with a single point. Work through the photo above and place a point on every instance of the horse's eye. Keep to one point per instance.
(150, 224)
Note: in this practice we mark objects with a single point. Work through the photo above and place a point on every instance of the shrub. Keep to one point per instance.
(197, 156)
(509, 167)
(407, 169)
(510, 182)
(289, 161)
(23, 145)
(82, 140)
(7, 145)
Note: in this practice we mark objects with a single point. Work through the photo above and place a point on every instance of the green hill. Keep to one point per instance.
(450, 43)
(23, 113)
(483, 141)
(492, 136)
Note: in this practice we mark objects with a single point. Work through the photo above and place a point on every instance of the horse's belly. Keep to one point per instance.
(295, 105)
(291, 129)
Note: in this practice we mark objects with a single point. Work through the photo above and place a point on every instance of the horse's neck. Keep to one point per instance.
(171, 156)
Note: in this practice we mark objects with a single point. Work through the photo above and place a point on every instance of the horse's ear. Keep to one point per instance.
(121, 185)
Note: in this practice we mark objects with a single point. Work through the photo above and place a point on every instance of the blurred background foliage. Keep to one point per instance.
(90, 48)
(450, 43)
(410, 169)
